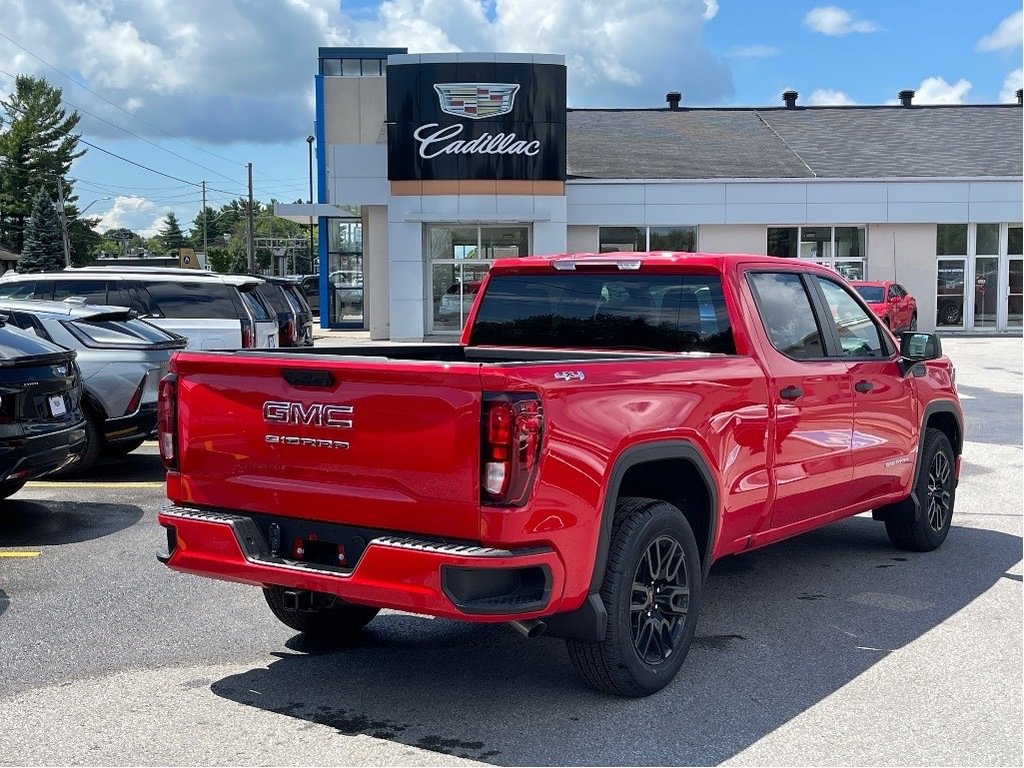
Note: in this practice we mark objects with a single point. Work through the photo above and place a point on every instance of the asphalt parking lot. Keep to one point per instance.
(828, 649)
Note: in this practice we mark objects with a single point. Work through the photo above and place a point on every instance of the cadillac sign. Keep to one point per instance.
(476, 121)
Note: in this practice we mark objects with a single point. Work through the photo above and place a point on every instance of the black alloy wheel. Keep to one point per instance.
(661, 600)
(651, 589)
(940, 492)
(925, 529)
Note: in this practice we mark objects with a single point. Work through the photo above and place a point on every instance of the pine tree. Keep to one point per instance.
(44, 243)
(37, 147)
(171, 237)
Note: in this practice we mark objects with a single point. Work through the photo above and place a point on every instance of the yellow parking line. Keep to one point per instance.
(19, 554)
(127, 484)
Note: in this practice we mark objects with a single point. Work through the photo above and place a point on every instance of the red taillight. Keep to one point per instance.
(133, 404)
(167, 420)
(247, 335)
(510, 453)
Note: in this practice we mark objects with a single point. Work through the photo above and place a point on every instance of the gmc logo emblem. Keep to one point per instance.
(314, 414)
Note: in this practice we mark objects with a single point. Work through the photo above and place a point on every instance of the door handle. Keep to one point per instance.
(863, 386)
(791, 393)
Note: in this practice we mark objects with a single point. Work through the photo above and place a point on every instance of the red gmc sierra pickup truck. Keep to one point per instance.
(606, 428)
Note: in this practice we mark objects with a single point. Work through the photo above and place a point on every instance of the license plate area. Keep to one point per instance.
(328, 545)
(57, 406)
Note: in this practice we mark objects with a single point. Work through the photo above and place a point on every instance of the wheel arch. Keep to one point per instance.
(674, 471)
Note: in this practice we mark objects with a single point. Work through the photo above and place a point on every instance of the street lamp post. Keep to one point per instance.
(310, 140)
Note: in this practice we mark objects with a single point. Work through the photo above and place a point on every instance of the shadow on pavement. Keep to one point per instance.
(48, 523)
(781, 629)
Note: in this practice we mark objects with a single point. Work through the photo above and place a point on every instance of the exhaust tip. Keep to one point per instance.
(530, 628)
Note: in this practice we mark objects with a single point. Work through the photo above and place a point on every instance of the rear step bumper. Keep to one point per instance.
(461, 581)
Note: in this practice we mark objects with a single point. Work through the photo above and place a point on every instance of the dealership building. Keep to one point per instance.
(430, 166)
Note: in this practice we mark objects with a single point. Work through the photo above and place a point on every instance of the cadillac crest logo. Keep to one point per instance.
(476, 100)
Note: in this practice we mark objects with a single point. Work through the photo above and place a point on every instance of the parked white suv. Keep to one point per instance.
(212, 311)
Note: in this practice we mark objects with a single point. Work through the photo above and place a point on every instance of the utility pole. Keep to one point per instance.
(64, 222)
(250, 249)
(206, 256)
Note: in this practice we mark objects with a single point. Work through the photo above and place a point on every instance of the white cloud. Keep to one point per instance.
(824, 97)
(935, 90)
(1007, 35)
(1013, 81)
(836, 22)
(141, 215)
(752, 52)
(235, 70)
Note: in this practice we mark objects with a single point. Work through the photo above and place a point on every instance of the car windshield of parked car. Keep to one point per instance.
(873, 294)
(670, 313)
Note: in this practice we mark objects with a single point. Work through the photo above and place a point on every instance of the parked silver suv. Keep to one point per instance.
(122, 359)
(212, 311)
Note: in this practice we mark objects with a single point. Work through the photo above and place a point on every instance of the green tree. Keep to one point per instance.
(37, 147)
(170, 236)
(43, 249)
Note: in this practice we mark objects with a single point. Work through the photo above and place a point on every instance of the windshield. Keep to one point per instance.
(872, 294)
(670, 313)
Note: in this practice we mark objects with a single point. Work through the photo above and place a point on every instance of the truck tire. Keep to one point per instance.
(330, 619)
(11, 487)
(652, 589)
(936, 490)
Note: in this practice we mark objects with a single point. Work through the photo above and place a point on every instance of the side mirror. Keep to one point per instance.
(916, 347)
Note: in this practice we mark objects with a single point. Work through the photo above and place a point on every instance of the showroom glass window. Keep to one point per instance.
(632, 239)
(1015, 261)
(345, 275)
(951, 247)
(842, 249)
(459, 258)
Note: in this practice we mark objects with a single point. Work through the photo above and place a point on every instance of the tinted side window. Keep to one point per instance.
(256, 306)
(274, 296)
(20, 289)
(93, 291)
(858, 334)
(193, 300)
(787, 315)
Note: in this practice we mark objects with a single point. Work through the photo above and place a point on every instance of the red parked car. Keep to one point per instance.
(891, 302)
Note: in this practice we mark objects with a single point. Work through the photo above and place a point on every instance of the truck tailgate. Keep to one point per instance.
(379, 443)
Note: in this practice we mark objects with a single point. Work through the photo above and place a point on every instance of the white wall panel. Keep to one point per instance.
(549, 238)
(685, 194)
(582, 239)
(604, 194)
(846, 192)
(607, 215)
(996, 191)
(407, 320)
(475, 207)
(781, 192)
(929, 192)
(512, 205)
(440, 205)
(670, 215)
(989, 212)
(930, 212)
(846, 213)
(767, 213)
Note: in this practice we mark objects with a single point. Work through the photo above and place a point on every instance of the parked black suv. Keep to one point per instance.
(41, 423)
(294, 317)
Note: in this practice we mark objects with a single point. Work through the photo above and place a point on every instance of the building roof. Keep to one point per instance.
(961, 141)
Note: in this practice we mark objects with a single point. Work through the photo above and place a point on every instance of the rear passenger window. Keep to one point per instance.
(259, 310)
(21, 289)
(93, 291)
(787, 315)
(193, 300)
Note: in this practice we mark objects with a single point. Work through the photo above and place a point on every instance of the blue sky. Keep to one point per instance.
(196, 89)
